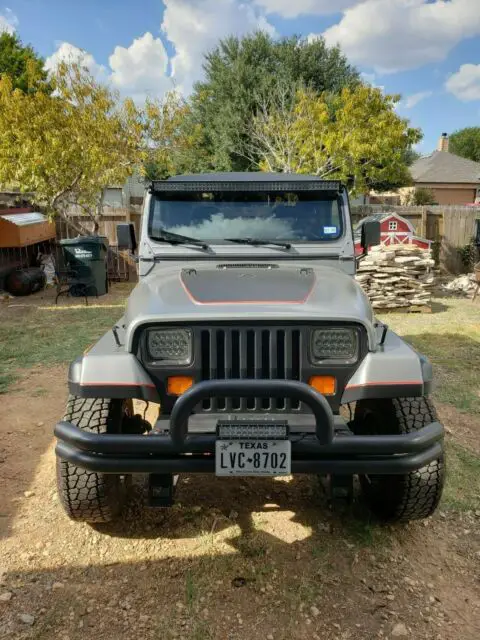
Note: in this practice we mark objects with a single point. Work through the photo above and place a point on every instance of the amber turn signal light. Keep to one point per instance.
(325, 385)
(179, 384)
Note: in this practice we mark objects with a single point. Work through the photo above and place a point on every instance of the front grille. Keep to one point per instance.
(251, 353)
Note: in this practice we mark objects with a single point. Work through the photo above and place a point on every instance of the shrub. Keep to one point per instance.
(423, 197)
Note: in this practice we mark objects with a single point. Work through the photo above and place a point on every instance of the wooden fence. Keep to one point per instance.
(108, 224)
(450, 228)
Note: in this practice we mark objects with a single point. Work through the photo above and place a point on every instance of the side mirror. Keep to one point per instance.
(126, 239)
(370, 234)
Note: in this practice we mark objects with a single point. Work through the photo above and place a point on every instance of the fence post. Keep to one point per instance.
(423, 222)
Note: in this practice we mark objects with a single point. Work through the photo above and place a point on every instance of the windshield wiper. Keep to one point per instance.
(256, 242)
(176, 238)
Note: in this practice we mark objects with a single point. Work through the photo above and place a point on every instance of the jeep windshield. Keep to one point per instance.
(255, 217)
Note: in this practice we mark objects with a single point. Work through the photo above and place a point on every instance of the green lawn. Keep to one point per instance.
(34, 336)
(450, 337)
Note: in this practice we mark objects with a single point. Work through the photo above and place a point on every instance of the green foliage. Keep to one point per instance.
(466, 143)
(173, 138)
(239, 73)
(468, 255)
(410, 156)
(354, 136)
(68, 147)
(462, 490)
(423, 197)
(24, 67)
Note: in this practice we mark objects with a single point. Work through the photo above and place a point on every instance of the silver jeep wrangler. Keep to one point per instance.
(249, 330)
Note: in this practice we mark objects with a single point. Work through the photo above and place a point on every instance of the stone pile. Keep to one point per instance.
(397, 277)
(465, 284)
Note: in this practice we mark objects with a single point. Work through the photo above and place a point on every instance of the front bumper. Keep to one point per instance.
(331, 449)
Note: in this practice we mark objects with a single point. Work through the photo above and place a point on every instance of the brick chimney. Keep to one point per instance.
(443, 142)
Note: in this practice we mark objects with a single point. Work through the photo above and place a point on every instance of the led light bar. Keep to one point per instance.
(237, 430)
(166, 186)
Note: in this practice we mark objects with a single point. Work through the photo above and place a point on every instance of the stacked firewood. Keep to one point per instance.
(397, 277)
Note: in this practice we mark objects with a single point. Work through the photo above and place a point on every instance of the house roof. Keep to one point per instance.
(444, 167)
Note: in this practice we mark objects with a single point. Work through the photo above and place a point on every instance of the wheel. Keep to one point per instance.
(85, 495)
(400, 498)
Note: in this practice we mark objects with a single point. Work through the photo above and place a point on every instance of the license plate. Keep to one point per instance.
(253, 457)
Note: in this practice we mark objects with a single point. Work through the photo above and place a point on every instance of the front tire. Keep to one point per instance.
(412, 496)
(87, 496)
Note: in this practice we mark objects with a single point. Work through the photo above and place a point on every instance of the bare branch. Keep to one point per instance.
(63, 192)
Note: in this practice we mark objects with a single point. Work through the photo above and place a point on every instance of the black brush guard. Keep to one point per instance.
(328, 451)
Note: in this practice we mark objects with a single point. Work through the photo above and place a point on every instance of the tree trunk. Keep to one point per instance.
(73, 225)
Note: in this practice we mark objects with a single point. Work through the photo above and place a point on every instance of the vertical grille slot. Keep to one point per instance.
(266, 364)
(221, 355)
(207, 364)
(281, 373)
(236, 365)
(251, 353)
(296, 351)
(250, 364)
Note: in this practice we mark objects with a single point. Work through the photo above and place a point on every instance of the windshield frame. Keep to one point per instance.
(338, 196)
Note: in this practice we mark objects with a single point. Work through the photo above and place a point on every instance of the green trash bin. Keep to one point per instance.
(86, 258)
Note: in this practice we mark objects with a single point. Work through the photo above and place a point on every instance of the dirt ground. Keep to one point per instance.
(234, 559)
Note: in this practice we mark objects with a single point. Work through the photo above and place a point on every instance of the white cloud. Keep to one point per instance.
(465, 83)
(67, 52)
(395, 35)
(8, 21)
(142, 68)
(295, 8)
(412, 100)
(195, 26)
(371, 79)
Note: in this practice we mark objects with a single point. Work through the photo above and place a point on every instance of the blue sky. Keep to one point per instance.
(427, 50)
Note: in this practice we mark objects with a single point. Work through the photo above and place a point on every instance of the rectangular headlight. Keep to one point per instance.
(170, 345)
(336, 343)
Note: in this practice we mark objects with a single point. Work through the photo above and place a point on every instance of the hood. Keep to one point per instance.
(250, 284)
(293, 292)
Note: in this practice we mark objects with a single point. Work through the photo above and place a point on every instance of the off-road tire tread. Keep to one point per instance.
(415, 495)
(85, 495)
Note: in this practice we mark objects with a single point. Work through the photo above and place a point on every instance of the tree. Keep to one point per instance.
(172, 138)
(410, 156)
(466, 143)
(24, 67)
(423, 197)
(66, 148)
(354, 136)
(239, 71)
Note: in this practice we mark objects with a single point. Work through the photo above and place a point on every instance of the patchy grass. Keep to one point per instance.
(252, 546)
(190, 589)
(5, 379)
(450, 337)
(48, 336)
(462, 490)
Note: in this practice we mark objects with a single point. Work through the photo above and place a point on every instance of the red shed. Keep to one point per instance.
(394, 230)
